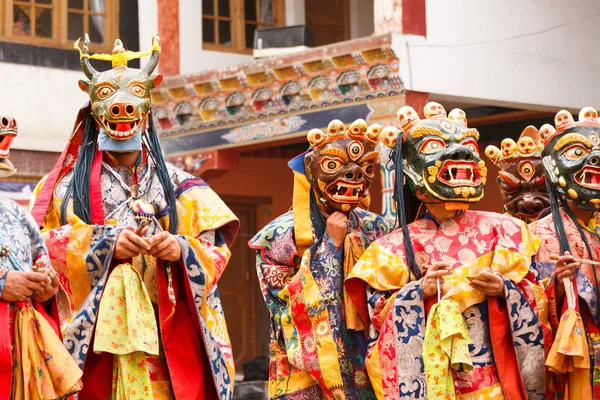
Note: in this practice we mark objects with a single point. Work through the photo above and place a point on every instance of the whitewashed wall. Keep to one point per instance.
(44, 101)
(538, 54)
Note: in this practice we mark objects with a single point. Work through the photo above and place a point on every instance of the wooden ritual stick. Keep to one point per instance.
(581, 260)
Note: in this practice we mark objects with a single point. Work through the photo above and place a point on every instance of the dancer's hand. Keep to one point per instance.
(432, 274)
(337, 227)
(47, 291)
(565, 268)
(489, 283)
(165, 246)
(130, 245)
(19, 286)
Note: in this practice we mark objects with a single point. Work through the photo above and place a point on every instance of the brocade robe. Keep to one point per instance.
(585, 287)
(317, 349)
(507, 349)
(20, 234)
(194, 342)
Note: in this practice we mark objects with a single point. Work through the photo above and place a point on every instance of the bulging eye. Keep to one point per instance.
(369, 170)
(355, 150)
(432, 146)
(331, 165)
(137, 90)
(575, 152)
(104, 91)
(471, 145)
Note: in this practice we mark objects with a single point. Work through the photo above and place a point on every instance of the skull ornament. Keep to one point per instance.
(342, 163)
(441, 155)
(526, 146)
(509, 148)
(8, 131)
(521, 177)
(120, 97)
(571, 157)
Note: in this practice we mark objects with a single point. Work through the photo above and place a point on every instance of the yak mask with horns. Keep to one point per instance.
(118, 119)
(120, 97)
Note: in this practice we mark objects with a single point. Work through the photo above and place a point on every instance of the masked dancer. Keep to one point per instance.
(33, 360)
(318, 340)
(139, 245)
(448, 296)
(570, 249)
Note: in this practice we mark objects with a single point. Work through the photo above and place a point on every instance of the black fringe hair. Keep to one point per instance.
(407, 206)
(559, 228)
(316, 217)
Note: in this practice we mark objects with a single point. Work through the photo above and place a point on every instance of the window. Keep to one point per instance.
(229, 25)
(58, 23)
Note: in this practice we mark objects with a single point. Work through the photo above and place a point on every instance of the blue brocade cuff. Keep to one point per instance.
(3, 274)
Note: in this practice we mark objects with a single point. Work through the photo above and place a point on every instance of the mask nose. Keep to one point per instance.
(459, 152)
(354, 173)
(122, 110)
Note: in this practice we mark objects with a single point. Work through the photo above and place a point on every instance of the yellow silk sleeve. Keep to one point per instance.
(381, 269)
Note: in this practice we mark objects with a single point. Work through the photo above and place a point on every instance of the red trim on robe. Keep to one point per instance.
(504, 350)
(357, 291)
(6, 365)
(191, 375)
(97, 208)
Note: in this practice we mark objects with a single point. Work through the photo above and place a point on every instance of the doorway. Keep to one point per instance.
(245, 311)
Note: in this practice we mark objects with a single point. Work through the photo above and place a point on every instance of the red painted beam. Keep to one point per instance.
(168, 30)
(414, 21)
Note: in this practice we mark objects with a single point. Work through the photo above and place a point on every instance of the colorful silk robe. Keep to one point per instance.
(506, 352)
(190, 318)
(313, 352)
(18, 231)
(585, 286)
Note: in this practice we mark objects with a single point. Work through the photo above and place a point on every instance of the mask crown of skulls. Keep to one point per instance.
(120, 97)
(341, 164)
(8, 131)
(440, 153)
(521, 176)
(571, 156)
(337, 130)
(529, 145)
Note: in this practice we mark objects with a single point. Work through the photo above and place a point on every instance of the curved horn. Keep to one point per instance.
(86, 66)
(153, 61)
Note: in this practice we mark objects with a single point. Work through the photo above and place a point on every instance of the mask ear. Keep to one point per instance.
(156, 80)
(549, 169)
(308, 159)
(412, 175)
(83, 85)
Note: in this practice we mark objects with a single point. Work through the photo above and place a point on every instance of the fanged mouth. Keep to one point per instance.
(121, 130)
(347, 192)
(459, 173)
(5, 140)
(589, 177)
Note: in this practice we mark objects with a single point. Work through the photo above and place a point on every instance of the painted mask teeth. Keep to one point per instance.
(116, 131)
(459, 174)
(343, 191)
(589, 177)
(5, 142)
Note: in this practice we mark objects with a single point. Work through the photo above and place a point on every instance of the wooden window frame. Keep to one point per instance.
(238, 25)
(60, 16)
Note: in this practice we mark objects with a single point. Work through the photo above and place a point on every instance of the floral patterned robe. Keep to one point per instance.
(507, 349)
(314, 353)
